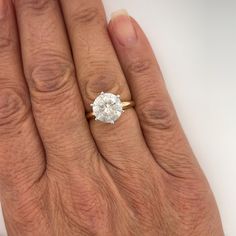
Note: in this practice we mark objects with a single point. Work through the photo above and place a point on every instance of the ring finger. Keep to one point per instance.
(98, 70)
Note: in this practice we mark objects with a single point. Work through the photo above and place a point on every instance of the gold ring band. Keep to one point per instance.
(125, 106)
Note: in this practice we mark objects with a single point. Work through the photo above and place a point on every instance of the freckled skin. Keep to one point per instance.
(61, 174)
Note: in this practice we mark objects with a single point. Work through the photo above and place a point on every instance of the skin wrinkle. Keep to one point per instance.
(14, 112)
(138, 177)
(7, 41)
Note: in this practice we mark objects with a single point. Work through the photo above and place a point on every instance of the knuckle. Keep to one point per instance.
(28, 209)
(180, 163)
(6, 45)
(14, 108)
(51, 77)
(7, 39)
(158, 115)
(191, 192)
(97, 82)
(139, 199)
(88, 203)
(140, 66)
(86, 15)
(38, 5)
(177, 159)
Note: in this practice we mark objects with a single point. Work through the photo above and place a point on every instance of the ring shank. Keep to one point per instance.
(125, 106)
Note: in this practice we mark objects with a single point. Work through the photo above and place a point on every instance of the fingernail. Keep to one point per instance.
(123, 28)
(2, 8)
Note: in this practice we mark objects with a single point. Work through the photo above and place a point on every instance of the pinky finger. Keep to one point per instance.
(158, 119)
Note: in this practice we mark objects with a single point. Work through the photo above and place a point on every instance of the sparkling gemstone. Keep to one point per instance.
(107, 108)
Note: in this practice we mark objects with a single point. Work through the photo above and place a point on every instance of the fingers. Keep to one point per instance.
(22, 160)
(49, 70)
(98, 70)
(158, 119)
(21, 153)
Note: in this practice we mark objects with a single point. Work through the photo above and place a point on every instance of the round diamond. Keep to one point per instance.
(107, 108)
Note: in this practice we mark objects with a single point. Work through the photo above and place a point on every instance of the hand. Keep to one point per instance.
(61, 174)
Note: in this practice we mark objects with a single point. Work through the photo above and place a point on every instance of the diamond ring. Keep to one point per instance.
(108, 108)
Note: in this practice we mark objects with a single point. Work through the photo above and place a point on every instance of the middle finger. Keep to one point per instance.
(49, 70)
(98, 70)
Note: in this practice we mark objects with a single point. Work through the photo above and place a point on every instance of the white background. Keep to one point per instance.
(195, 42)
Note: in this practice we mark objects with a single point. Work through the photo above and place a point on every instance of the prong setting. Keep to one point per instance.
(107, 108)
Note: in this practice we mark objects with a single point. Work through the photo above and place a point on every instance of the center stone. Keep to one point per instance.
(107, 108)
